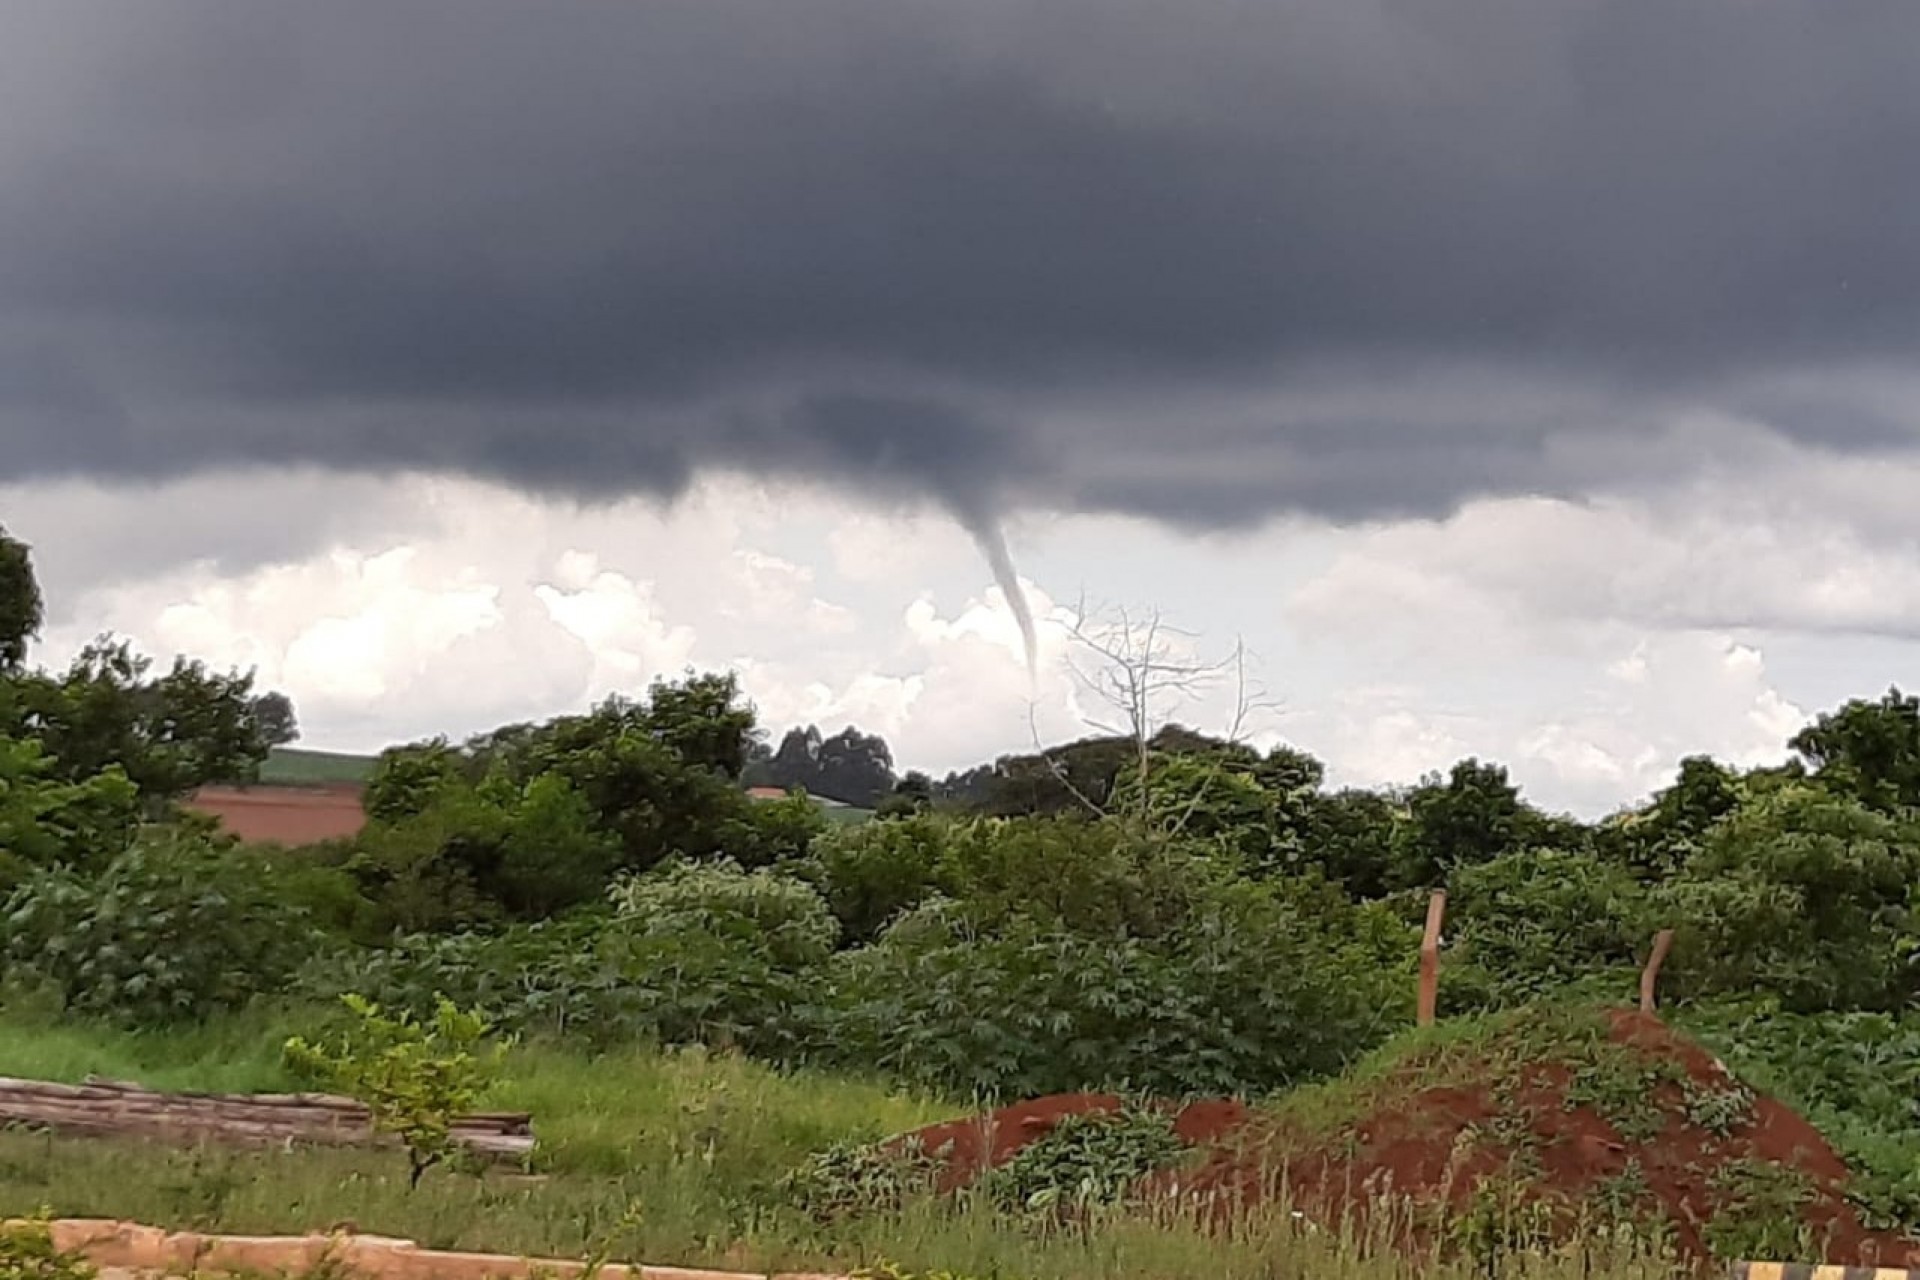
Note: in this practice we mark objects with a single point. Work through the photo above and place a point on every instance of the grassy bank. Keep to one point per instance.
(671, 1158)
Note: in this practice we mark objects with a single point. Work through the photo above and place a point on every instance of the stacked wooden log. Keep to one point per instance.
(108, 1108)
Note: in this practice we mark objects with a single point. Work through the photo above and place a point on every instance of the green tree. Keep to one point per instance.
(407, 780)
(1869, 750)
(472, 854)
(416, 1078)
(1803, 895)
(47, 822)
(1664, 836)
(1473, 815)
(169, 733)
(701, 719)
(1351, 836)
(21, 607)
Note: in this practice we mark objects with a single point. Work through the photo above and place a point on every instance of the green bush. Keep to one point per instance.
(472, 855)
(1264, 985)
(415, 1077)
(691, 954)
(1544, 919)
(872, 873)
(1801, 895)
(1085, 1161)
(1098, 878)
(46, 822)
(173, 930)
(1856, 1076)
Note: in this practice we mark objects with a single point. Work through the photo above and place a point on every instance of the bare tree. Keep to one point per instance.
(1141, 669)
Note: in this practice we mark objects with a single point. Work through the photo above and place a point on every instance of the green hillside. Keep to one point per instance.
(295, 767)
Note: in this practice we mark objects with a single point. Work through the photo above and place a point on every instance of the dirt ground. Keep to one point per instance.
(285, 815)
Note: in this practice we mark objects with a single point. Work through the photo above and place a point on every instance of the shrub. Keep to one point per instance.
(47, 822)
(174, 929)
(416, 1078)
(1265, 984)
(478, 854)
(697, 953)
(1084, 1161)
(1545, 919)
(1801, 895)
(871, 874)
(850, 1179)
(1098, 878)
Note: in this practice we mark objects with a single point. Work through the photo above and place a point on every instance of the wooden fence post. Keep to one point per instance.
(1662, 943)
(1430, 958)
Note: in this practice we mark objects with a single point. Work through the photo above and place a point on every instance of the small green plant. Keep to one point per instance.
(1758, 1217)
(1085, 1160)
(1721, 1110)
(27, 1252)
(1504, 1216)
(851, 1179)
(416, 1078)
(1619, 1085)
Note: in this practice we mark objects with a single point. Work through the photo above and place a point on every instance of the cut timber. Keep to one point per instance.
(107, 1108)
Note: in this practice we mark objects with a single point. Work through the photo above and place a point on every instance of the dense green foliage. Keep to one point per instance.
(21, 608)
(176, 927)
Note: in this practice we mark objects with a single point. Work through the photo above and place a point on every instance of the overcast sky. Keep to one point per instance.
(1528, 378)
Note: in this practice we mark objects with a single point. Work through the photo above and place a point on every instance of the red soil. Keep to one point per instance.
(1425, 1146)
(1415, 1146)
(970, 1146)
(284, 815)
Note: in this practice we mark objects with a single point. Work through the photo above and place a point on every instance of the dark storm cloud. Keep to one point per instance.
(1209, 260)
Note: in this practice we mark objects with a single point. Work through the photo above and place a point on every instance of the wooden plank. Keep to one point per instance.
(1430, 959)
(117, 1108)
(1650, 976)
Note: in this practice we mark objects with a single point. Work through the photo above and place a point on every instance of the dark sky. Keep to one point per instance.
(1207, 261)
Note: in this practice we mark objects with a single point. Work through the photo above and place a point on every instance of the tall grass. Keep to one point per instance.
(674, 1212)
(239, 1054)
(671, 1158)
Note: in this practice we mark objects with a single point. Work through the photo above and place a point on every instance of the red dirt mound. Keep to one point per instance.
(1633, 1119)
(970, 1146)
(1551, 1119)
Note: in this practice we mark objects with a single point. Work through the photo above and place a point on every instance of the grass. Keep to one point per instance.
(241, 1055)
(674, 1158)
(295, 766)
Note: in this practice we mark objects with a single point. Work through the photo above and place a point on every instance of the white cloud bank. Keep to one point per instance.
(1587, 645)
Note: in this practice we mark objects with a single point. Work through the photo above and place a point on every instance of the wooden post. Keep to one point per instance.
(1430, 958)
(1662, 943)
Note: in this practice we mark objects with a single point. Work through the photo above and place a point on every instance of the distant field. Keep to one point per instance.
(293, 766)
(845, 815)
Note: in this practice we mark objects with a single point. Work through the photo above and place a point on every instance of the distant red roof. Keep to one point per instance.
(767, 793)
